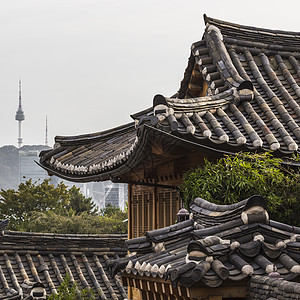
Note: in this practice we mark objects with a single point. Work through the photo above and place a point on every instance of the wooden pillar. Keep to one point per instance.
(148, 211)
(178, 204)
(165, 211)
(147, 295)
(130, 223)
(138, 215)
(129, 289)
(143, 213)
(171, 221)
(155, 197)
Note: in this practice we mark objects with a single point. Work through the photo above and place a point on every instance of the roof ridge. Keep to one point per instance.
(219, 22)
(92, 136)
(63, 235)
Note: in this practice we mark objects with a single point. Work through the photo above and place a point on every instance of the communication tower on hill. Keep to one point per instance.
(20, 116)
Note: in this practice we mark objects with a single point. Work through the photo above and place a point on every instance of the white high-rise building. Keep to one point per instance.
(28, 169)
(102, 193)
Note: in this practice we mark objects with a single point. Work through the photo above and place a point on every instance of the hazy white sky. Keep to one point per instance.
(89, 64)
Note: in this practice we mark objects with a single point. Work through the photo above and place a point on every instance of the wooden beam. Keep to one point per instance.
(158, 286)
(178, 205)
(138, 215)
(226, 291)
(148, 210)
(165, 211)
(129, 289)
(154, 208)
(188, 293)
(130, 227)
(179, 291)
(143, 213)
(148, 286)
(171, 208)
(147, 295)
(141, 284)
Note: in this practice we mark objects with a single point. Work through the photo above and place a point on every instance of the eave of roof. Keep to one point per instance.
(93, 157)
(232, 242)
(252, 104)
(265, 116)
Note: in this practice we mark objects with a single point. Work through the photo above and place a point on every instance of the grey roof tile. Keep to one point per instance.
(253, 246)
(252, 103)
(48, 264)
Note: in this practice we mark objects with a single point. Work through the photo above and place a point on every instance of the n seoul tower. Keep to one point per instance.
(20, 116)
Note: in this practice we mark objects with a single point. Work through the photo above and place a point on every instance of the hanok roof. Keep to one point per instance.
(42, 260)
(262, 287)
(240, 92)
(222, 242)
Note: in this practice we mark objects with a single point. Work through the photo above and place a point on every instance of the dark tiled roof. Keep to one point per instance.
(39, 261)
(208, 214)
(240, 92)
(253, 93)
(234, 248)
(262, 287)
(83, 158)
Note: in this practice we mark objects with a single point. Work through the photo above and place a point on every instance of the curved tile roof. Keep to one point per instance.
(37, 263)
(240, 92)
(207, 214)
(252, 99)
(86, 156)
(244, 245)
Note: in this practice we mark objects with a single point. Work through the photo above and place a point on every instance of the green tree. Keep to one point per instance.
(79, 203)
(69, 291)
(46, 208)
(110, 210)
(82, 223)
(237, 177)
(19, 205)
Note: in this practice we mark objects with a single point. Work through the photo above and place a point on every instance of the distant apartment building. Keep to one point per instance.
(107, 192)
(102, 193)
(28, 169)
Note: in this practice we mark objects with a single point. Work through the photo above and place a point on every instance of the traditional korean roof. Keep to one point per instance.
(93, 157)
(34, 264)
(242, 242)
(240, 92)
(263, 287)
(252, 98)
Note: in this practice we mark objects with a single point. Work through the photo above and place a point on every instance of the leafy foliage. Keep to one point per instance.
(237, 177)
(17, 205)
(69, 291)
(83, 223)
(46, 208)
(79, 203)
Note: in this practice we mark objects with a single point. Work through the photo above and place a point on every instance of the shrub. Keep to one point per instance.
(236, 177)
(69, 291)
